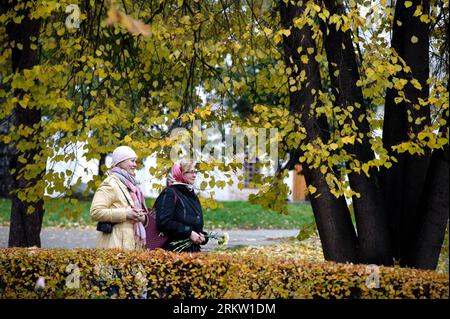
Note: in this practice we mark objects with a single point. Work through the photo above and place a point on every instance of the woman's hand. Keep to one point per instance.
(197, 238)
(135, 214)
(141, 217)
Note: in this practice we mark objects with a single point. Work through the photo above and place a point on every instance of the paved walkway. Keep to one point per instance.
(53, 237)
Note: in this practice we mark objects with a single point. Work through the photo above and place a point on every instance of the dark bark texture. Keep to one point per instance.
(6, 154)
(331, 214)
(403, 211)
(25, 227)
(426, 245)
(404, 183)
(373, 235)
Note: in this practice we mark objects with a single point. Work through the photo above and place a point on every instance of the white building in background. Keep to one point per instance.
(85, 170)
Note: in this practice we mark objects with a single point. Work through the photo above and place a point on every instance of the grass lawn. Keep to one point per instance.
(233, 215)
(243, 215)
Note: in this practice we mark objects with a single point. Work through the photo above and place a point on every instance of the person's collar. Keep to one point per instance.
(189, 186)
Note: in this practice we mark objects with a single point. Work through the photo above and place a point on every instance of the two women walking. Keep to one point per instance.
(120, 210)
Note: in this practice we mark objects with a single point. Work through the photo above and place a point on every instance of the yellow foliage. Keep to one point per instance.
(108, 86)
(279, 271)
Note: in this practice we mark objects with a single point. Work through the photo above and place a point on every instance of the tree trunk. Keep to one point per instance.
(25, 227)
(403, 183)
(428, 243)
(101, 163)
(6, 154)
(373, 235)
(331, 214)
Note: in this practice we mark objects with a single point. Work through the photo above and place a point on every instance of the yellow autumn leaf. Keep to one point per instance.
(425, 18)
(370, 72)
(398, 100)
(365, 167)
(348, 139)
(133, 26)
(416, 84)
(267, 31)
(304, 59)
(311, 189)
(24, 101)
(18, 19)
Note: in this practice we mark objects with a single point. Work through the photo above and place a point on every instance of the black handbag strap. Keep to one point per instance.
(175, 199)
(128, 201)
(181, 201)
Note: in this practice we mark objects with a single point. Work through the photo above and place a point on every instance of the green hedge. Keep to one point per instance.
(202, 275)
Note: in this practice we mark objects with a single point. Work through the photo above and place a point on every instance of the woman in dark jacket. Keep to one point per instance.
(178, 210)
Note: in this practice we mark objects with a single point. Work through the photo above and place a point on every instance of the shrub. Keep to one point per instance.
(100, 273)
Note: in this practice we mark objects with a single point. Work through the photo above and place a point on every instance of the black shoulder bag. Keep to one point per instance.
(107, 227)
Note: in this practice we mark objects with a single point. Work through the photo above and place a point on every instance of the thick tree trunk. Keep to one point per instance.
(6, 154)
(6, 151)
(403, 183)
(25, 228)
(336, 231)
(373, 235)
(427, 244)
(331, 214)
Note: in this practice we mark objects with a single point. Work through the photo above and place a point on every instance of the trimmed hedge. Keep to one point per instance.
(161, 274)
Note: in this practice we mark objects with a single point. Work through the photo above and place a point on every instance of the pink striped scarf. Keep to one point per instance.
(138, 199)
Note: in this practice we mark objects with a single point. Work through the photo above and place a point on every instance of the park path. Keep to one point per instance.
(54, 237)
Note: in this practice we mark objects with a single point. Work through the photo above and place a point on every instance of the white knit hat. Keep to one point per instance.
(121, 154)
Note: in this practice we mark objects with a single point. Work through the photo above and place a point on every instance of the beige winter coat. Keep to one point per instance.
(110, 205)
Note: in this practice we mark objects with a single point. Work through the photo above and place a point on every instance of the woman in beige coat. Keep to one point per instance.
(119, 204)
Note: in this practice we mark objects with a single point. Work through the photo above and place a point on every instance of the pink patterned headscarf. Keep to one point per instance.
(176, 175)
